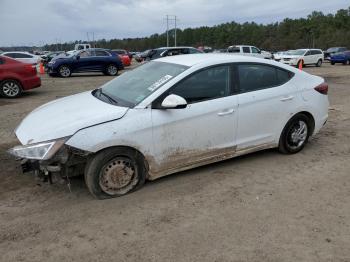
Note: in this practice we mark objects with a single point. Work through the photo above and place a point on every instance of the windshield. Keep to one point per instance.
(296, 52)
(132, 87)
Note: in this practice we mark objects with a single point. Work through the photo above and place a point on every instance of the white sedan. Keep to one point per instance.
(23, 57)
(173, 114)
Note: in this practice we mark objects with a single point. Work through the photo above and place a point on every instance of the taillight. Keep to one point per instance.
(322, 88)
(30, 68)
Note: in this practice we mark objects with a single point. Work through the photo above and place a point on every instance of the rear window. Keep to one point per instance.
(20, 55)
(258, 76)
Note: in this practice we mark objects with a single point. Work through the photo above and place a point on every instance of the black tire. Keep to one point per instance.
(10, 88)
(102, 172)
(288, 143)
(64, 71)
(319, 63)
(347, 62)
(332, 63)
(111, 70)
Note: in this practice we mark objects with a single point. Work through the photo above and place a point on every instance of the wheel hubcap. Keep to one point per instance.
(112, 70)
(118, 176)
(298, 135)
(64, 71)
(10, 89)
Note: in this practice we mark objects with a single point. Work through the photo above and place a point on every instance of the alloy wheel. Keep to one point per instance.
(297, 135)
(11, 89)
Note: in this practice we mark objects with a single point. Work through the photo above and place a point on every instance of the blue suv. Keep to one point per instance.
(89, 60)
(341, 57)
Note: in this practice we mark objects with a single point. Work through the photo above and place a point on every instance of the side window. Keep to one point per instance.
(255, 50)
(204, 85)
(12, 55)
(20, 55)
(84, 54)
(246, 49)
(256, 76)
(184, 51)
(194, 51)
(101, 53)
(307, 53)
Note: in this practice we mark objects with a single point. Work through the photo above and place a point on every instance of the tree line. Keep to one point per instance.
(318, 30)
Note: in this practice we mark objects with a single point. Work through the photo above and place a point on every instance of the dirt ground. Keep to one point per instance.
(261, 207)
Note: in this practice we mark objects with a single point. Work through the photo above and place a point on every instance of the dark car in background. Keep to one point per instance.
(16, 77)
(45, 59)
(332, 50)
(341, 57)
(89, 60)
(167, 51)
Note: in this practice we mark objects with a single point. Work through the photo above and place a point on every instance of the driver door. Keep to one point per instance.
(204, 131)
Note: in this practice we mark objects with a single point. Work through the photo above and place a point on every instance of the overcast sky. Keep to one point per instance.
(35, 22)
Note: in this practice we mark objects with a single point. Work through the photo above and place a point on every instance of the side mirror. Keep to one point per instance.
(173, 102)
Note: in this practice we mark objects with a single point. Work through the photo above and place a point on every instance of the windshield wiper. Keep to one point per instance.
(100, 93)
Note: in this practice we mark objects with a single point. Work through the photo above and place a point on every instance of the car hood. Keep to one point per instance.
(64, 117)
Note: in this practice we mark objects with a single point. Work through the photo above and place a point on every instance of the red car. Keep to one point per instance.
(124, 56)
(16, 77)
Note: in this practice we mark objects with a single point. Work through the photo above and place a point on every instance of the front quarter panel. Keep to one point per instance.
(133, 130)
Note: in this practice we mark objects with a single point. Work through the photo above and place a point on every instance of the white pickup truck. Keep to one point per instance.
(249, 50)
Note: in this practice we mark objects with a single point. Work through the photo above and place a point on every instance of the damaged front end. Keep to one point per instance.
(51, 158)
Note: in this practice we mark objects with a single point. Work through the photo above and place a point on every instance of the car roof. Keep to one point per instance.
(20, 52)
(195, 59)
(172, 47)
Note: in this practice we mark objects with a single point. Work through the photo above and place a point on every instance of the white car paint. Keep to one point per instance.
(306, 55)
(177, 139)
(248, 50)
(24, 57)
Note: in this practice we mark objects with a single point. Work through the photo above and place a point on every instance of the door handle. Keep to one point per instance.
(226, 112)
(287, 98)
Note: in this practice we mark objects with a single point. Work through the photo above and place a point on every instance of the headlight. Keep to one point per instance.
(52, 62)
(39, 151)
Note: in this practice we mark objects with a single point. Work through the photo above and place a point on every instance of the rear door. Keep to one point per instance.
(102, 59)
(205, 129)
(266, 101)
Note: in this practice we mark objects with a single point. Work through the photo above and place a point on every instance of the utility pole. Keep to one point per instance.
(175, 31)
(170, 18)
(167, 31)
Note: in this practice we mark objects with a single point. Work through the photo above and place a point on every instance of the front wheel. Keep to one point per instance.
(64, 71)
(319, 63)
(112, 70)
(115, 172)
(10, 88)
(295, 135)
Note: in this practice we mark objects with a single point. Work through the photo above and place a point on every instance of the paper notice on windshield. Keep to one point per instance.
(159, 82)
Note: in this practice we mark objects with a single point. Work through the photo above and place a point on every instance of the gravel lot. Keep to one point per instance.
(261, 207)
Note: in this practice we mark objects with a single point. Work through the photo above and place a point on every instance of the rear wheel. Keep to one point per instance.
(64, 71)
(115, 172)
(10, 88)
(346, 62)
(111, 70)
(319, 63)
(332, 63)
(295, 134)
